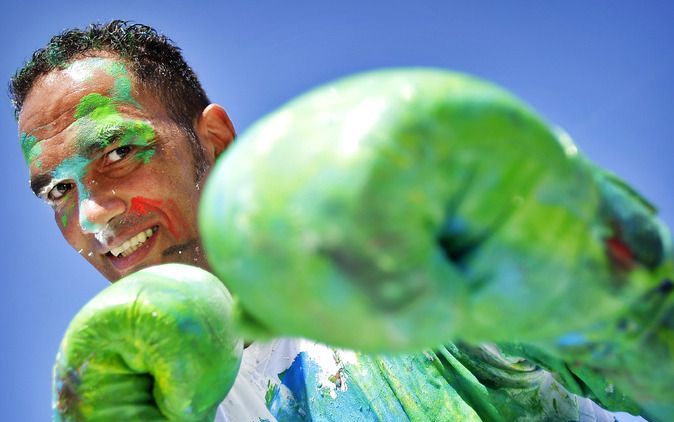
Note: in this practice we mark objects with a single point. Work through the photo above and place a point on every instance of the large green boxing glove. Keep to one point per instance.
(156, 345)
(401, 209)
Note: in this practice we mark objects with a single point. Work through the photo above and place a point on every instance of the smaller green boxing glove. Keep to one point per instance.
(156, 345)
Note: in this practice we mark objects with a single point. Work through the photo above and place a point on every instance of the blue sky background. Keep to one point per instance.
(604, 71)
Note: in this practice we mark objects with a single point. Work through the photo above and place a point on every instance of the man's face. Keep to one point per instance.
(116, 169)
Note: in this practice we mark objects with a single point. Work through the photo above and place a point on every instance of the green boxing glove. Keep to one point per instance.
(401, 209)
(156, 345)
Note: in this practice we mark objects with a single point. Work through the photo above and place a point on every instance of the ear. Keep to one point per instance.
(215, 131)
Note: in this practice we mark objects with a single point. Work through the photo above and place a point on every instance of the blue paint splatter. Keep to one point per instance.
(75, 168)
(301, 397)
(571, 340)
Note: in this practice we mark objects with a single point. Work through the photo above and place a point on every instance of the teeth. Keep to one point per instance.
(130, 246)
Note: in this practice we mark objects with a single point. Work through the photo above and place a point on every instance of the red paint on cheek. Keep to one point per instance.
(143, 206)
(172, 206)
(139, 205)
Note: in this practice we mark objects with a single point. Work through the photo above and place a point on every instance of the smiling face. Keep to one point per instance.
(118, 172)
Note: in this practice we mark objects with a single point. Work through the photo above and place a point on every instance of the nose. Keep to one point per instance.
(95, 213)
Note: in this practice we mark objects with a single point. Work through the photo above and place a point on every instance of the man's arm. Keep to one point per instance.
(402, 209)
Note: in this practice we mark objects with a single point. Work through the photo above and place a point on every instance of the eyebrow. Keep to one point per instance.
(89, 150)
(39, 182)
(91, 147)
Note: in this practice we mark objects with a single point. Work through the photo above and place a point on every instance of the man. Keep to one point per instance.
(138, 139)
(119, 137)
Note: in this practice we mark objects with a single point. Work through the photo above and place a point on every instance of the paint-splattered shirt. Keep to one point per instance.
(299, 380)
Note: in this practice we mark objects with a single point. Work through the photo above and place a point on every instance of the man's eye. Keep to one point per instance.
(118, 153)
(58, 191)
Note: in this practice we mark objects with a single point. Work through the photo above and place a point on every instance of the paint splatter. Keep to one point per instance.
(30, 147)
(122, 91)
(99, 123)
(65, 216)
(145, 155)
(143, 206)
(75, 168)
(94, 103)
(137, 132)
(139, 205)
(620, 253)
(122, 87)
(272, 392)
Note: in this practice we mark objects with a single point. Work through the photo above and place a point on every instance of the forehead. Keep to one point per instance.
(55, 95)
(83, 87)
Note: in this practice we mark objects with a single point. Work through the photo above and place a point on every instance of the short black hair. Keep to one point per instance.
(155, 61)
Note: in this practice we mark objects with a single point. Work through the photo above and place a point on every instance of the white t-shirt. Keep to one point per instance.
(296, 379)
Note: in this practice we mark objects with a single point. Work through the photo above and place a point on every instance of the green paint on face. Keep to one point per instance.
(145, 155)
(75, 168)
(117, 69)
(99, 119)
(66, 214)
(30, 147)
(105, 126)
(96, 104)
(138, 133)
(99, 125)
(121, 91)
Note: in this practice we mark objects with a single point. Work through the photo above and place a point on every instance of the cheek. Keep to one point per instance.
(174, 195)
(143, 206)
(67, 221)
(164, 184)
(181, 221)
(64, 217)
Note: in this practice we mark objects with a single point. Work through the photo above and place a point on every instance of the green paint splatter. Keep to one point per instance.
(72, 168)
(97, 115)
(30, 147)
(75, 168)
(94, 104)
(66, 213)
(272, 391)
(138, 133)
(117, 69)
(100, 129)
(99, 124)
(121, 90)
(145, 155)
